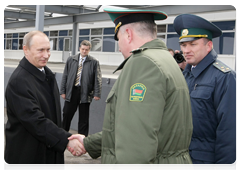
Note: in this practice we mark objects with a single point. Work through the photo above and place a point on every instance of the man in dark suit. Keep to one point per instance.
(33, 133)
(81, 82)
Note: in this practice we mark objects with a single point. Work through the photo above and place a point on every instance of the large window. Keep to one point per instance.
(102, 39)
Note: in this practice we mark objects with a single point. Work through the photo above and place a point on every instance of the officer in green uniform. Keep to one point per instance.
(148, 115)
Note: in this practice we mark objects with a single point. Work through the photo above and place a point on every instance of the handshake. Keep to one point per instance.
(75, 145)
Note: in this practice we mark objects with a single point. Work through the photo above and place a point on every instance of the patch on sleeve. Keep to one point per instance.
(137, 92)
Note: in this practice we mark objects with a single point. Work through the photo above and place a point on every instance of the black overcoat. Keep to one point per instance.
(33, 133)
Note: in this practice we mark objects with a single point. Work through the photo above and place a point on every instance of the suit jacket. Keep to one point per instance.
(91, 78)
(33, 133)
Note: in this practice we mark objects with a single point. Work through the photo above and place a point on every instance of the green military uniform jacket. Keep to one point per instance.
(148, 114)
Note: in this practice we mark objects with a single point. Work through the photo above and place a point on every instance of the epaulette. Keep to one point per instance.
(221, 66)
(139, 50)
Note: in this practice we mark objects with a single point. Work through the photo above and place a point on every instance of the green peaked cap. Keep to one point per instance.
(125, 16)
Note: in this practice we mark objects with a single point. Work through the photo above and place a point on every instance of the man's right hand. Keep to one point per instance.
(63, 96)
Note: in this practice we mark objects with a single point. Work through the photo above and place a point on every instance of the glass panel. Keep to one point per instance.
(161, 28)
(225, 25)
(109, 31)
(108, 44)
(173, 41)
(96, 43)
(53, 43)
(9, 35)
(70, 32)
(81, 39)
(60, 44)
(53, 33)
(20, 44)
(15, 35)
(224, 44)
(63, 33)
(97, 31)
(14, 44)
(21, 35)
(84, 32)
(66, 45)
(170, 28)
(9, 44)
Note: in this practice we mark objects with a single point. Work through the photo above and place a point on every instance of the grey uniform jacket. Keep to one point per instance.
(91, 78)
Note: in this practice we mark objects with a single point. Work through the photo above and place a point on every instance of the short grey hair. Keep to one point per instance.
(144, 28)
(27, 40)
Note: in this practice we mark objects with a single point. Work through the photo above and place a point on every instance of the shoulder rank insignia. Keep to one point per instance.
(221, 66)
(139, 50)
(137, 92)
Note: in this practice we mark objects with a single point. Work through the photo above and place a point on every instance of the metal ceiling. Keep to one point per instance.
(20, 16)
(28, 12)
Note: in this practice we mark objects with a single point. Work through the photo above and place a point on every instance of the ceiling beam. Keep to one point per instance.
(102, 16)
(61, 9)
(19, 15)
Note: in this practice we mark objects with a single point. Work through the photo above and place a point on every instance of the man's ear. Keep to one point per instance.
(210, 46)
(129, 33)
(25, 50)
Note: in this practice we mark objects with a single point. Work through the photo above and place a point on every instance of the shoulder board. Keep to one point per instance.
(139, 50)
(221, 66)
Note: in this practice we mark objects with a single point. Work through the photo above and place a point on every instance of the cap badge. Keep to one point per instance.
(118, 25)
(185, 32)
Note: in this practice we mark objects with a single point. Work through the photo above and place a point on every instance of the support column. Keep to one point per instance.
(75, 37)
(39, 23)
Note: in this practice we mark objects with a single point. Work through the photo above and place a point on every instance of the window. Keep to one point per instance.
(84, 32)
(15, 44)
(226, 25)
(108, 44)
(9, 44)
(97, 31)
(20, 44)
(96, 43)
(53, 33)
(15, 35)
(9, 35)
(21, 35)
(63, 33)
(109, 31)
(173, 41)
(60, 44)
(224, 44)
(161, 29)
(53, 43)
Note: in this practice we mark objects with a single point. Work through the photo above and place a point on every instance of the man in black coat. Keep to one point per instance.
(33, 133)
(81, 82)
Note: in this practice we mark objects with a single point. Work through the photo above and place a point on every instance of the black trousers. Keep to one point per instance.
(70, 108)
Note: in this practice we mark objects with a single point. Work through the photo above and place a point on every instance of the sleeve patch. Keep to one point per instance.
(137, 92)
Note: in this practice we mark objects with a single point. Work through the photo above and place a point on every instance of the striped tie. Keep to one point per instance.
(79, 73)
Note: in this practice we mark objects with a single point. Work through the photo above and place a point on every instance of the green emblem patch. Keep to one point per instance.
(137, 92)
